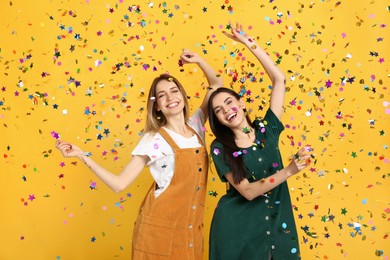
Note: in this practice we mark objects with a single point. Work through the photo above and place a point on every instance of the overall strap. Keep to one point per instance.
(168, 138)
(195, 133)
(172, 143)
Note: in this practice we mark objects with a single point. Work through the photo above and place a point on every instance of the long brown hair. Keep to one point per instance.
(156, 119)
(226, 137)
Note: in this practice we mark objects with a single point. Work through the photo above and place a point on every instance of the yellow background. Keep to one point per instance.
(82, 69)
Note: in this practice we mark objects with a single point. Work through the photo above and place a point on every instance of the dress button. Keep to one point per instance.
(200, 169)
(197, 151)
(266, 218)
(190, 226)
(194, 207)
(190, 245)
(268, 233)
(273, 247)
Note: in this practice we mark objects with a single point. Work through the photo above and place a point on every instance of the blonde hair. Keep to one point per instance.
(156, 119)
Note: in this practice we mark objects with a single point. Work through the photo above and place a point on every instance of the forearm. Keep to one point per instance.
(212, 77)
(111, 180)
(261, 187)
(275, 74)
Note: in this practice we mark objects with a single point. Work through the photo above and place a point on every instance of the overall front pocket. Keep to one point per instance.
(155, 235)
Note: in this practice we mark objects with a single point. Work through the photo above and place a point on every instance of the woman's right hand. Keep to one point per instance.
(68, 149)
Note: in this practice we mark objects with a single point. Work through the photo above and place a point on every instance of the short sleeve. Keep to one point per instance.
(269, 123)
(216, 150)
(197, 121)
(152, 145)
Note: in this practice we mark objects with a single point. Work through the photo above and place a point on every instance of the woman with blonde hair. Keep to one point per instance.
(170, 219)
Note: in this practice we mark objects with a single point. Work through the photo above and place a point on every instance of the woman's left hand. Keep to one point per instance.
(238, 34)
(299, 161)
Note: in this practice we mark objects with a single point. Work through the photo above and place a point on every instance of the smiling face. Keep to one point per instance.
(169, 98)
(229, 110)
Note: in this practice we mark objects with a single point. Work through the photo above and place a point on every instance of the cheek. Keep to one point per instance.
(219, 116)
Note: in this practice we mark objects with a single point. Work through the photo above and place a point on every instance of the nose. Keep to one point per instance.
(169, 96)
(225, 109)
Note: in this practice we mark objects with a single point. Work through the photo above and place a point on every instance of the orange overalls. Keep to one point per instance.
(171, 225)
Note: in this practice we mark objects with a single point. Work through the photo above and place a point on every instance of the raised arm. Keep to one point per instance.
(116, 182)
(252, 190)
(277, 77)
(213, 79)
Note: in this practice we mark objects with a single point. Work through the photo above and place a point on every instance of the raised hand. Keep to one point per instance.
(190, 57)
(238, 34)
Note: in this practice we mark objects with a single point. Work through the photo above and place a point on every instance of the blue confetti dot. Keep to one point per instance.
(293, 250)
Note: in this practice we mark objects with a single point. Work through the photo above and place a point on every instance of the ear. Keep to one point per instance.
(156, 106)
(242, 103)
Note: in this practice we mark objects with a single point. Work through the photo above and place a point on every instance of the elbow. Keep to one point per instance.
(118, 189)
(279, 80)
(219, 81)
(248, 196)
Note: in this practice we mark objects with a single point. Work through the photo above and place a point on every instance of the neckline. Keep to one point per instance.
(182, 136)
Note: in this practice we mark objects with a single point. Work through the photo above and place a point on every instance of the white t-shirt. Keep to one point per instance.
(162, 158)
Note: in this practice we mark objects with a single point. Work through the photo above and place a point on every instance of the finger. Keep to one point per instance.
(231, 26)
(184, 57)
(229, 35)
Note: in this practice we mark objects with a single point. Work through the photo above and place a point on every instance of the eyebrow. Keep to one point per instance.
(173, 87)
(223, 102)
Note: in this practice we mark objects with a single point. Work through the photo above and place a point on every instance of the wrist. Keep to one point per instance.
(251, 44)
(84, 154)
(285, 173)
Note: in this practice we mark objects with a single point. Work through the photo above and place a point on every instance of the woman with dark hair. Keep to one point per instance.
(254, 220)
(170, 219)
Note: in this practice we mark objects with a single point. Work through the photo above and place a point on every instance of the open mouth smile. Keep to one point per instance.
(231, 117)
(172, 105)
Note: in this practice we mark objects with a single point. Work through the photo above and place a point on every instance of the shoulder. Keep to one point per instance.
(216, 143)
(216, 148)
(197, 121)
(149, 137)
(269, 123)
(151, 143)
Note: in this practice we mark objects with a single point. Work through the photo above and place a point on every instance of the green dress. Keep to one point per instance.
(265, 226)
